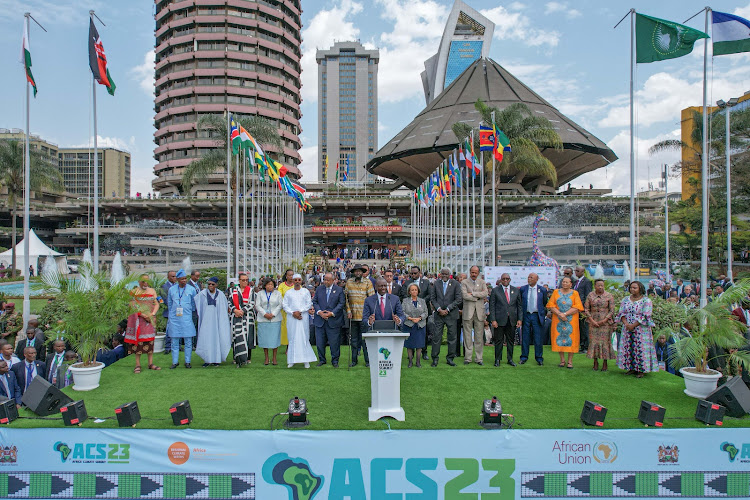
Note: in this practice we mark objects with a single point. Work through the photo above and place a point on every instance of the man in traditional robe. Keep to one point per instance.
(181, 303)
(242, 311)
(298, 306)
(213, 325)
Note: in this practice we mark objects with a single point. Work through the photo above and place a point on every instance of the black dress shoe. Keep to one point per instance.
(425, 356)
(434, 363)
(320, 363)
(352, 364)
(511, 363)
(367, 364)
(480, 363)
(466, 362)
(451, 363)
(187, 365)
(335, 365)
(497, 362)
(409, 365)
(523, 362)
(174, 366)
(206, 364)
(540, 363)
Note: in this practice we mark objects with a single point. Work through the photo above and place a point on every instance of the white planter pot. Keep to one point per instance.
(86, 378)
(159, 342)
(700, 385)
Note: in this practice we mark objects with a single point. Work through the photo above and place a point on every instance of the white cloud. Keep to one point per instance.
(742, 11)
(52, 12)
(144, 73)
(309, 164)
(561, 8)
(516, 26)
(127, 145)
(140, 180)
(516, 6)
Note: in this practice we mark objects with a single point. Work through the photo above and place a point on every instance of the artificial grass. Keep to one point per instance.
(225, 397)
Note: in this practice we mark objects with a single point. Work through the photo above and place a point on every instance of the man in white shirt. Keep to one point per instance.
(7, 355)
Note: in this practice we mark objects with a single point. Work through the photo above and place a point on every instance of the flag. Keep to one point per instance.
(471, 159)
(337, 172)
(26, 57)
(98, 60)
(325, 169)
(658, 39)
(502, 143)
(446, 178)
(346, 170)
(457, 168)
(234, 135)
(730, 34)
(486, 137)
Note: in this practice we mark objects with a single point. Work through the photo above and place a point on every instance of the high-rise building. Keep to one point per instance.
(467, 37)
(236, 55)
(78, 176)
(347, 111)
(47, 149)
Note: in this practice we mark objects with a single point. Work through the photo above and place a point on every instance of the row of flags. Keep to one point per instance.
(268, 168)
(339, 173)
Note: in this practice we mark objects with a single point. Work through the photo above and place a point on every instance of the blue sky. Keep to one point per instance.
(568, 52)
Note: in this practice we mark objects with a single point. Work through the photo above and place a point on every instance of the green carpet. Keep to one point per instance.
(445, 397)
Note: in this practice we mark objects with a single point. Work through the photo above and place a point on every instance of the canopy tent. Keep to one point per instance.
(37, 250)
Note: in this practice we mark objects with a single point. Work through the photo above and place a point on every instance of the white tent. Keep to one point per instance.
(37, 251)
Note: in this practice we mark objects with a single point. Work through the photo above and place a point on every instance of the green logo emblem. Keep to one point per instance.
(385, 352)
(731, 450)
(295, 474)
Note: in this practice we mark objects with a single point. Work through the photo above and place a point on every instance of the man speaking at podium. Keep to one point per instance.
(382, 306)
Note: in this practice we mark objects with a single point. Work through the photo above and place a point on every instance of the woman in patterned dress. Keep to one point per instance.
(141, 329)
(636, 352)
(600, 308)
(242, 314)
(565, 305)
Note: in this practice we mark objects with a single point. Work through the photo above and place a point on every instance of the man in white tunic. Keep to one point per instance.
(298, 306)
(213, 325)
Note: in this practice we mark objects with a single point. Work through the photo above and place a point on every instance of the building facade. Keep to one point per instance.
(78, 175)
(347, 111)
(239, 56)
(35, 143)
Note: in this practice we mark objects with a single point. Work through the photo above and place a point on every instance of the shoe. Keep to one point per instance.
(188, 365)
(290, 365)
(425, 356)
(451, 363)
(335, 365)
(540, 363)
(480, 363)
(409, 365)
(174, 366)
(419, 364)
(320, 363)
(206, 364)
(353, 364)
(523, 362)
(466, 362)
(434, 363)
(215, 364)
(511, 363)
(497, 362)
(367, 364)
(307, 365)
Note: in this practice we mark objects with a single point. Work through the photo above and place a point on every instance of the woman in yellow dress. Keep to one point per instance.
(565, 305)
(287, 285)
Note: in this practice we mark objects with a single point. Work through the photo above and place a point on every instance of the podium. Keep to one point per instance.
(385, 350)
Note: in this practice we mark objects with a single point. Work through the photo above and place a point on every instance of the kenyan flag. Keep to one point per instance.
(26, 57)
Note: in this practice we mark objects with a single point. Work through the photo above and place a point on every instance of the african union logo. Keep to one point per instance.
(605, 452)
(295, 474)
(64, 450)
(385, 352)
(731, 450)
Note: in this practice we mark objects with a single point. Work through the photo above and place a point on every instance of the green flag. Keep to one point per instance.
(657, 39)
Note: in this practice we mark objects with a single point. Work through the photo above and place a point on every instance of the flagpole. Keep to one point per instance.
(481, 188)
(96, 173)
(237, 215)
(244, 212)
(494, 200)
(26, 200)
(229, 195)
(632, 145)
(704, 173)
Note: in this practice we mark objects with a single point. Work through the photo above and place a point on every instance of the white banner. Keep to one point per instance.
(520, 274)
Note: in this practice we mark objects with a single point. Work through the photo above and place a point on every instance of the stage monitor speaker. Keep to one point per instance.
(651, 414)
(8, 410)
(710, 413)
(593, 414)
(43, 398)
(128, 414)
(734, 396)
(74, 413)
(181, 413)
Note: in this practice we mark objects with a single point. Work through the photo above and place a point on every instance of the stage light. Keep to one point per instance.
(651, 414)
(492, 414)
(710, 413)
(128, 414)
(74, 413)
(593, 414)
(297, 416)
(181, 413)
(8, 410)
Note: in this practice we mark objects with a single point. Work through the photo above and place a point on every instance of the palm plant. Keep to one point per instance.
(215, 160)
(43, 174)
(527, 133)
(713, 326)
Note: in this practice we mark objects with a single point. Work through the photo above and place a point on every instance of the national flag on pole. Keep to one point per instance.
(346, 169)
(486, 137)
(457, 169)
(730, 34)
(26, 57)
(658, 39)
(446, 178)
(337, 172)
(98, 60)
(502, 143)
(325, 170)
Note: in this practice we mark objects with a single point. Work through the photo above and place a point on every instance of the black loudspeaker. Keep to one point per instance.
(181, 413)
(74, 413)
(651, 414)
(593, 414)
(734, 396)
(43, 398)
(8, 410)
(710, 413)
(128, 414)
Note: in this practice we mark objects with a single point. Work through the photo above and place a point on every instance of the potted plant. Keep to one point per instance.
(710, 329)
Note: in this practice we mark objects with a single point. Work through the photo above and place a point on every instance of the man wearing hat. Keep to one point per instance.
(357, 290)
(181, 304)
(10, 323)
(213, 324)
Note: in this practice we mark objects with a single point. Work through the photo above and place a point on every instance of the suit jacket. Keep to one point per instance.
(372, 306)
(584, 288)
(424, 288)
(20, 371)
(541, 301)
(474, 303)
(41, 350)
(15, 389)
(415, 312)
(335, 304)
(501, 310)
(739, 314)
(395, 289)
(450, 301)
(164, 294)
(51, 358)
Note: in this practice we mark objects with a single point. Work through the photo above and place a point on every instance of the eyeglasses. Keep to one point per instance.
(244, 279)
(504, 279)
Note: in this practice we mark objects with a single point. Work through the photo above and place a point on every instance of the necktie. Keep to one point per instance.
(53, 370)
(29, 374)
(507, 295)
(531, 306)
(445, 287)
(382, 307)
(390, 288)
(6, 386)
(577, 282)
(328, 294)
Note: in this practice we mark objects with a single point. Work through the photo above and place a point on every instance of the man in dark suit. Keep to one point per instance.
(8, 384)
(506, 312)
(33, 341)
(446, 301)
(391, 285)
(171, 280)
(583, 286)
(29, 368)
(533, 302)
(381, 306)
(328, 301)
(425, 292)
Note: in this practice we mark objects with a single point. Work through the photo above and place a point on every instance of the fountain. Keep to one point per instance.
(626, 271)
(50, 267)
(599, 272)
(87, 257)
(187, 265)
(118, 271)
(87, 282)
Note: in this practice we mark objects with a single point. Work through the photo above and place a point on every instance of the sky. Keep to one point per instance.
(566, 51)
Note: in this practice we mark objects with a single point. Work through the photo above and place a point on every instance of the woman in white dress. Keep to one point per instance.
(298, 306)
(268, 318)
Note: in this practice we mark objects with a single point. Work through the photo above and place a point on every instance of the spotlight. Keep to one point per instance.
(74, 413)
(710, 413)
(128, 414)
(297, 413)
(8, 410)
(181, 413)
(593, 414)
(651, 414)
(492, 414)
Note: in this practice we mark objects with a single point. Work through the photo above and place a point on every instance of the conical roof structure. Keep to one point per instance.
(418, 149)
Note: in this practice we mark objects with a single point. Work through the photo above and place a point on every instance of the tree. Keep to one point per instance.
(43, 174)
(527, 133)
